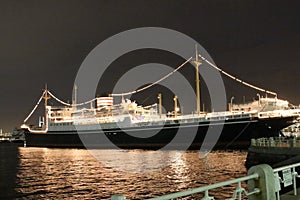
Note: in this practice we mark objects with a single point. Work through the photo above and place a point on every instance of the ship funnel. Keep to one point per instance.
(104, 101)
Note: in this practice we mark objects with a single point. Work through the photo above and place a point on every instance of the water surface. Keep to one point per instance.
(76, 174)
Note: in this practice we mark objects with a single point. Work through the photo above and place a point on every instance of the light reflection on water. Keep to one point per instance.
(74, 173)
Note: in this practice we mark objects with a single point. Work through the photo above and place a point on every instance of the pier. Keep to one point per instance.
(276, 152)
(262, 183)
(276, 142)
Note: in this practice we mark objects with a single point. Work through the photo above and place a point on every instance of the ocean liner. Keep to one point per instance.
(105, 124)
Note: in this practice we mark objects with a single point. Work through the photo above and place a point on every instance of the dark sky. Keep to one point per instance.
(46, 41)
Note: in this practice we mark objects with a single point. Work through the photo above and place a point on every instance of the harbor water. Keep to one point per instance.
(43, 173)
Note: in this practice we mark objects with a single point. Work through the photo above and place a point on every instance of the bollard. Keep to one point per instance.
(265, 183)
(259, 141)
(253, 142)
(272, 142)
(117, 197)
(294, 142)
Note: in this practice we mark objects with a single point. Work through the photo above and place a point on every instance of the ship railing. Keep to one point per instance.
(262, 182)
(278, 113)
(230, 113)
(276, 142)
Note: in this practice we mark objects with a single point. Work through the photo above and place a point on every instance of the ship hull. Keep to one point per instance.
(235, 134)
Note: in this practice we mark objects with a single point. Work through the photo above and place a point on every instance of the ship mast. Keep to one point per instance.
(175, 106)
(46, 97)
(75, 97)
(160, 104)
(197, 64)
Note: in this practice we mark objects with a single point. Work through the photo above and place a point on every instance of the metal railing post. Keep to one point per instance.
(240, 191)
(265, 182)
(294, 180)
(206, 196)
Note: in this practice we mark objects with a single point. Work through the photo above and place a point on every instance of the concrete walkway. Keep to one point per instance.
(290, 195)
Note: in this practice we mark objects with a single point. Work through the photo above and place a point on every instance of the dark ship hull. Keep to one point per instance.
(236, 134)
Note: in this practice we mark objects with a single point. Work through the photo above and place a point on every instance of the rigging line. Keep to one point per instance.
(57, 99)
(149, 106)
(145, 99)
(156, 82)
(67, 104)
(235, 138)
(36, 105)
(236, 79)
(80, 104)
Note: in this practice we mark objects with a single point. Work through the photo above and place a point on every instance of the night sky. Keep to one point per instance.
(46, 42)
